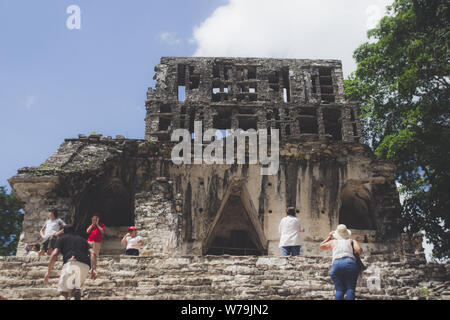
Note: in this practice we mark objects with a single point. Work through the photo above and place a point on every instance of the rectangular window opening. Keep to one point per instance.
(191, 120)
(195, 82)
(355, 129)
(352, 115)
(227, 70)
(307, 111)
(252, 72)
(332, 123)
(181, 93)
(326, 85)
(314, 88)
(308, 125)
(246, 124)
(222, 120)
(277, 114)
(216, 94)
(285, 95)
(216, 70)
(286, 85)
(164, 124)
(274, 81)
(165, 108)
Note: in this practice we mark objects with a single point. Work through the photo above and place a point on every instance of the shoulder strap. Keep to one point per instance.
(353, 248)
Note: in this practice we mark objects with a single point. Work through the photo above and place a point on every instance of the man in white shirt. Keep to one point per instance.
(289, 230)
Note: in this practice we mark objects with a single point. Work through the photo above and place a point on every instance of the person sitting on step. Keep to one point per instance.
(132, 241)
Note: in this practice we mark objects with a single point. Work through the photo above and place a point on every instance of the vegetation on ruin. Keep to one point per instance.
(11, 217)
(402, 81)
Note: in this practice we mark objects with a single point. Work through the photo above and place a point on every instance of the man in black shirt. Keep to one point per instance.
(78, 257)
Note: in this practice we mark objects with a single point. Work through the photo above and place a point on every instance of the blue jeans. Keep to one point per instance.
(344, 273)
(290, 251)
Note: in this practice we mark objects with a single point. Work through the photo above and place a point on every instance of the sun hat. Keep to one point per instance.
(342, 232)
(132, 228)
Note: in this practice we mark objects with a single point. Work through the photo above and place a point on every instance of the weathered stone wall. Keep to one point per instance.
(113, 176)
(159, 222)
(325, 173)
(227, 277)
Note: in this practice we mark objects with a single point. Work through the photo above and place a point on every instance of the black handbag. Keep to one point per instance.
(359, 262)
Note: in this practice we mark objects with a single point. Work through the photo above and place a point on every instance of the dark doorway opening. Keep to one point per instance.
(356, 211)
(234, 233)
(111, 201)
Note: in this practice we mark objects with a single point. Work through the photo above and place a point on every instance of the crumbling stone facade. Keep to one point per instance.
(325, 171)
(304, 99)
(211, 231)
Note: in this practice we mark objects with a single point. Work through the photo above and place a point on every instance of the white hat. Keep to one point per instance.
(342, 232)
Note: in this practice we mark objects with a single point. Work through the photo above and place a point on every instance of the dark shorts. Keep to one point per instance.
(132, 252)
(48, 243)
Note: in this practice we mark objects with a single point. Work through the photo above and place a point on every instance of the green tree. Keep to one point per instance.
(402, 81)
(11, 217)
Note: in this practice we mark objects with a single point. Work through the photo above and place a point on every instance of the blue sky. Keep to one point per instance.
(56, 83)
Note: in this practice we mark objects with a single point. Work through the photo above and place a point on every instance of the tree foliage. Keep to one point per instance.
(402, 81)
(10, 222)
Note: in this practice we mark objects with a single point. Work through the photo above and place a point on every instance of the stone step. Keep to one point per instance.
(214, 277)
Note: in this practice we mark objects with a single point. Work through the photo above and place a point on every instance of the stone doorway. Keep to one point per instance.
(112, 201)
(237, 229)
(356, 207)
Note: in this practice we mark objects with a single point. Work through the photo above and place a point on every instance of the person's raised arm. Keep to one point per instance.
(327, 244)
(100, 228)
(124, 239)
(42, 232)
(89, 229)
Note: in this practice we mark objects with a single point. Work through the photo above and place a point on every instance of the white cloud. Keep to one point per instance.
(302, 29)
(30, 101)
(169, 37)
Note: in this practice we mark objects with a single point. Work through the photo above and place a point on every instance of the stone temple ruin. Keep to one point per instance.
(325, 170)
(211, 231)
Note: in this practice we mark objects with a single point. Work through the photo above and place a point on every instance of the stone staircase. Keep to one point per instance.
(226, 277)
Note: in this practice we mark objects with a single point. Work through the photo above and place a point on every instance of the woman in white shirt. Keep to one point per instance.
(344, 270)
(132, 241)
(289, 229)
